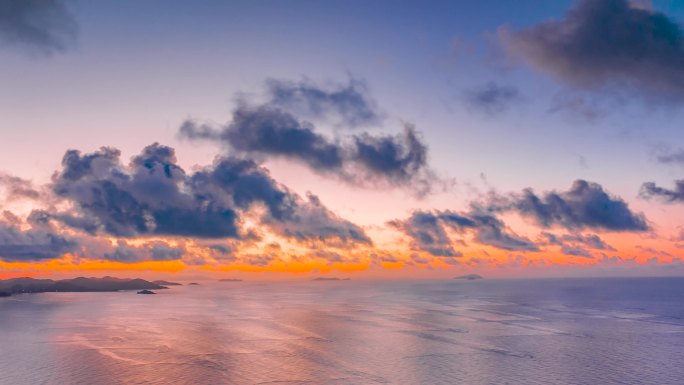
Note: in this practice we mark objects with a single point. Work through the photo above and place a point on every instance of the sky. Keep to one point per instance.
(384, 139)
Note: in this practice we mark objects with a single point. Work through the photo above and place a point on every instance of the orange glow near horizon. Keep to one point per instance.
(289, 259)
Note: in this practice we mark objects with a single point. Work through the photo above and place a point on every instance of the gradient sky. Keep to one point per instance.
(527, 138)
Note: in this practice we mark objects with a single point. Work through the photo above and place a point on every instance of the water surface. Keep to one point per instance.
(572, 331)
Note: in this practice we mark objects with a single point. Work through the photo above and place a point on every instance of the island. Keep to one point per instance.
(470, 277)
(80, 284)
(193, 284)
(167, 283)
(331, 279)
(146, 292)
(230, 280)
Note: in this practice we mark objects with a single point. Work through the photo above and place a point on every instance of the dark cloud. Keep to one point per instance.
(349, 105)
(163, 252)
(675, 195)
(397, 158)
(592, 241)
(44, 217)
(151, 251)
(584, 205)
(576, 251)
(124, 253)
(310, 220)
(361, 160)
(603, 43)
(492, 98)
(223, 253)
(266, 131)
(575, 244)
(39, 26)
(149, 197)
(428, 231)
(492, 231)
(154, 196)
(32, 244)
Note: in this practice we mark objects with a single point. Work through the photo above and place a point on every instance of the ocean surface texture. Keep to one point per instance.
(560, 331)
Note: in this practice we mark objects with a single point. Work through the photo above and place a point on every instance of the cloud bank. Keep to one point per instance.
(154, 196)
(584, 206)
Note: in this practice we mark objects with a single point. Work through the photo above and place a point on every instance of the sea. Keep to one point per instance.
(536, 331)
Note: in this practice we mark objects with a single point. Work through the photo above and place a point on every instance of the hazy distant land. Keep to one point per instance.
(469, 277)
(331, 279)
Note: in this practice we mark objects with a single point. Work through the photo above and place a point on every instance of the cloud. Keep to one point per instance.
(428, 231)
(347, 105)
(575, 244)
(576, 251)
(163, 252)
(266, 131)
(399, 159)
(153, 196)
(147, 198)
(38, 26)
(674, 157)
(584, 205)
(151, 251)
(18, 188)
(32, 244)
(313, 221)
(360, 160)
(651, 190)
(602, 43)
(124, 253)
(492, 231)
(492, 98)
(592, 241)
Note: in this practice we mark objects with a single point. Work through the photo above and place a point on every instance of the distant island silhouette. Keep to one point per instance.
(146, 292)
(167, 283)
(81, 284)
(230, 280)
(193, 284)
(331, 279)
(470, 277)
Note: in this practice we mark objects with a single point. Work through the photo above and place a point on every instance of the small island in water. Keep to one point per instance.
(469, 277)
(146, 292)
(167, 283)
(331, 279)
(13, 286)
(230, 280)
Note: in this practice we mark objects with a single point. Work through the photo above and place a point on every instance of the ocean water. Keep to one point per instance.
(556, 331)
